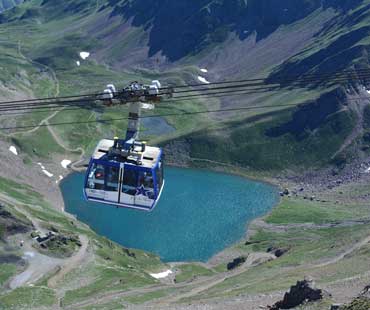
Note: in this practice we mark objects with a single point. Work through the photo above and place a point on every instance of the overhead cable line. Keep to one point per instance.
(334, 77)
(166, 115)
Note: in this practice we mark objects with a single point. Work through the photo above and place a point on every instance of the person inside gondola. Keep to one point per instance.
(96, 177)
(112, 179)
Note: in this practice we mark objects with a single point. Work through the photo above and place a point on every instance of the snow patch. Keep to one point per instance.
(84, 55)
(367, 170)
(203, 80)
(368, 91)
(65, 163)
(40, 164)
(28, 255)
(78, 63)
(13, 150)
(147, 106)
(204, 70)
(161, 275)
(50, 175)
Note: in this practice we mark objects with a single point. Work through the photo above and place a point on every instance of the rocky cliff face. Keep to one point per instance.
(179, 28)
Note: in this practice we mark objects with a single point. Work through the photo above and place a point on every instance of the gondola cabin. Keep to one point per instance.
(125, 174)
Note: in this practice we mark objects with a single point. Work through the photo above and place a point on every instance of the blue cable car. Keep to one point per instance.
(126, 172)
(123, 181)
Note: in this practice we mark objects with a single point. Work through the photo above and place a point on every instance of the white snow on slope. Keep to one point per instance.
(13, 150)
(203, 80)
(40, 164)
(65, 163)
(147, 106)
(161, 275)
(84, 55)
(78, 63)
(28, 255)
(50, 175)
(204, 70)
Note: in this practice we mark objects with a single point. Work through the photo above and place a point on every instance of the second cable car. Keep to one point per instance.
(126, 172)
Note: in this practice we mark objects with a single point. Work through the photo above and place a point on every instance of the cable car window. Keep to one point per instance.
(146, 184)
(129, 182)
(146, 179)
(112, 175)
(96, 177)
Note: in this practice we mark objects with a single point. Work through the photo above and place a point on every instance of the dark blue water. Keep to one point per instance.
(200, 214)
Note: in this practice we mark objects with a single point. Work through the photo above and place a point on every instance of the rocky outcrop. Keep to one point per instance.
(236, 262)
(278, 252)
(11, 225)
(303, 291)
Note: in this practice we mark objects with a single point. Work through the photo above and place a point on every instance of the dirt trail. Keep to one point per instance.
(70, 263)
(42, 123)
(203, 284)
(216, 280)
(200, 284)
(56, 93)
(261, 224)
(51, 70)
(338, 258)
(46, 120)
(39, 264)
(58, 140)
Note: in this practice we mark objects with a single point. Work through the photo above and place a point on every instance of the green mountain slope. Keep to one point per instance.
(313, 125)
(127, 39)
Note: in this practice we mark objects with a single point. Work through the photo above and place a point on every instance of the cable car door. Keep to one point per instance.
(128, 185)
(112, 181)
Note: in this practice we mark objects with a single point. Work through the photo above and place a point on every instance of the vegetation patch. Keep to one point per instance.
(292, 210)
(60, 245)
(190, 271)
(6, 272)
(26, 297)
(361, 303)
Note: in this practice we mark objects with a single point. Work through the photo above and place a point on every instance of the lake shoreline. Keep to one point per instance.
(246, 231)
(226, 254)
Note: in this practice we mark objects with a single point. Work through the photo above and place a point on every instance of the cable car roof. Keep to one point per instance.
(149, 159)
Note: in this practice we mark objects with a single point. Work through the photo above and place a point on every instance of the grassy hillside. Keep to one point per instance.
(325, 124)
(104, 260)
(49, 68)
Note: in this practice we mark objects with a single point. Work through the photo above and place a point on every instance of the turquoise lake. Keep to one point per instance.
(200, 214)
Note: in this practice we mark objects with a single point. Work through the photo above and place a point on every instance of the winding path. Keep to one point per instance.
(45, 122)
(202, 284)
(70, 263)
